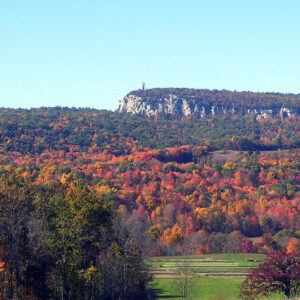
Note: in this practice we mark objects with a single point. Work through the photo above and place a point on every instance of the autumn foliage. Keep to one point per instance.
(173, 187)
(82, 189)
(280, 273)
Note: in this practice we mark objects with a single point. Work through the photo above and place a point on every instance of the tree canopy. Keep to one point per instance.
(61, 241)
(280, 273)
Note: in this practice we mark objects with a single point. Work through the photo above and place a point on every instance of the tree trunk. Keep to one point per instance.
(287, 292)
(64, 290)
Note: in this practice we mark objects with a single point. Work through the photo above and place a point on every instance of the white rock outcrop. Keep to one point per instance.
(174, 105)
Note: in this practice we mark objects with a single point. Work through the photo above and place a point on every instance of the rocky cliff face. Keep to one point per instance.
(193, 106)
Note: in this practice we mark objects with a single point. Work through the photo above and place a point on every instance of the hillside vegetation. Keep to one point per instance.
(86, 194)
(172, 198)
(37, 130)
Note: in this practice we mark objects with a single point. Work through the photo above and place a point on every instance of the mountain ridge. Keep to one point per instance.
(202, 103)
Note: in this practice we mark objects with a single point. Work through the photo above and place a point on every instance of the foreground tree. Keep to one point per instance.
(280, 273)
(23, 273)
(184, 285)
(78, 221)
(124, 275)
(62, 243)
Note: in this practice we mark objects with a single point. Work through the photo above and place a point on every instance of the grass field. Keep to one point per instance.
(212, 276)
(202, 288)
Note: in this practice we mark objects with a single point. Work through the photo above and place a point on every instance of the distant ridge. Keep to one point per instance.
(203, 102)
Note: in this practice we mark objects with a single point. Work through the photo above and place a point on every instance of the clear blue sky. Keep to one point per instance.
(90, 53)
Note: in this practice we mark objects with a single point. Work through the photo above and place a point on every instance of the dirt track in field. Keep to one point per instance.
(189, 260)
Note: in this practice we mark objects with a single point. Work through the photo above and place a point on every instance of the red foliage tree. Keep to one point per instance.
(280, 273)
(247, 246)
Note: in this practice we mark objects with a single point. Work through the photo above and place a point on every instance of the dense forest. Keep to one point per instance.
(37, 130)
(63, 241)
(81, 188)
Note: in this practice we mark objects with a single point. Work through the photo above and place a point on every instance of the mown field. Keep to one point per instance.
(211, 276)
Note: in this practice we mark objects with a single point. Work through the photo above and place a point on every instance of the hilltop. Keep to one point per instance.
(203, 103)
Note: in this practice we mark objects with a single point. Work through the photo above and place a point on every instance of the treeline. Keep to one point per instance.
(65, 242)
(69, 129)
(224, 98)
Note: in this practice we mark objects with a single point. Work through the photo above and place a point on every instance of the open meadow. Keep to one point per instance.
(211, 276)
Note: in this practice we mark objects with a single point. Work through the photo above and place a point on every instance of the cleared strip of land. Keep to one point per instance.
(209, 277)
(218, 265)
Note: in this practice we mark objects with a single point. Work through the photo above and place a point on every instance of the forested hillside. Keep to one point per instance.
(37, 130)
(162, 185)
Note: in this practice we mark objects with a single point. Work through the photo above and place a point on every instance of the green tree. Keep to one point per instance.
(78, 222)
(24, 271)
